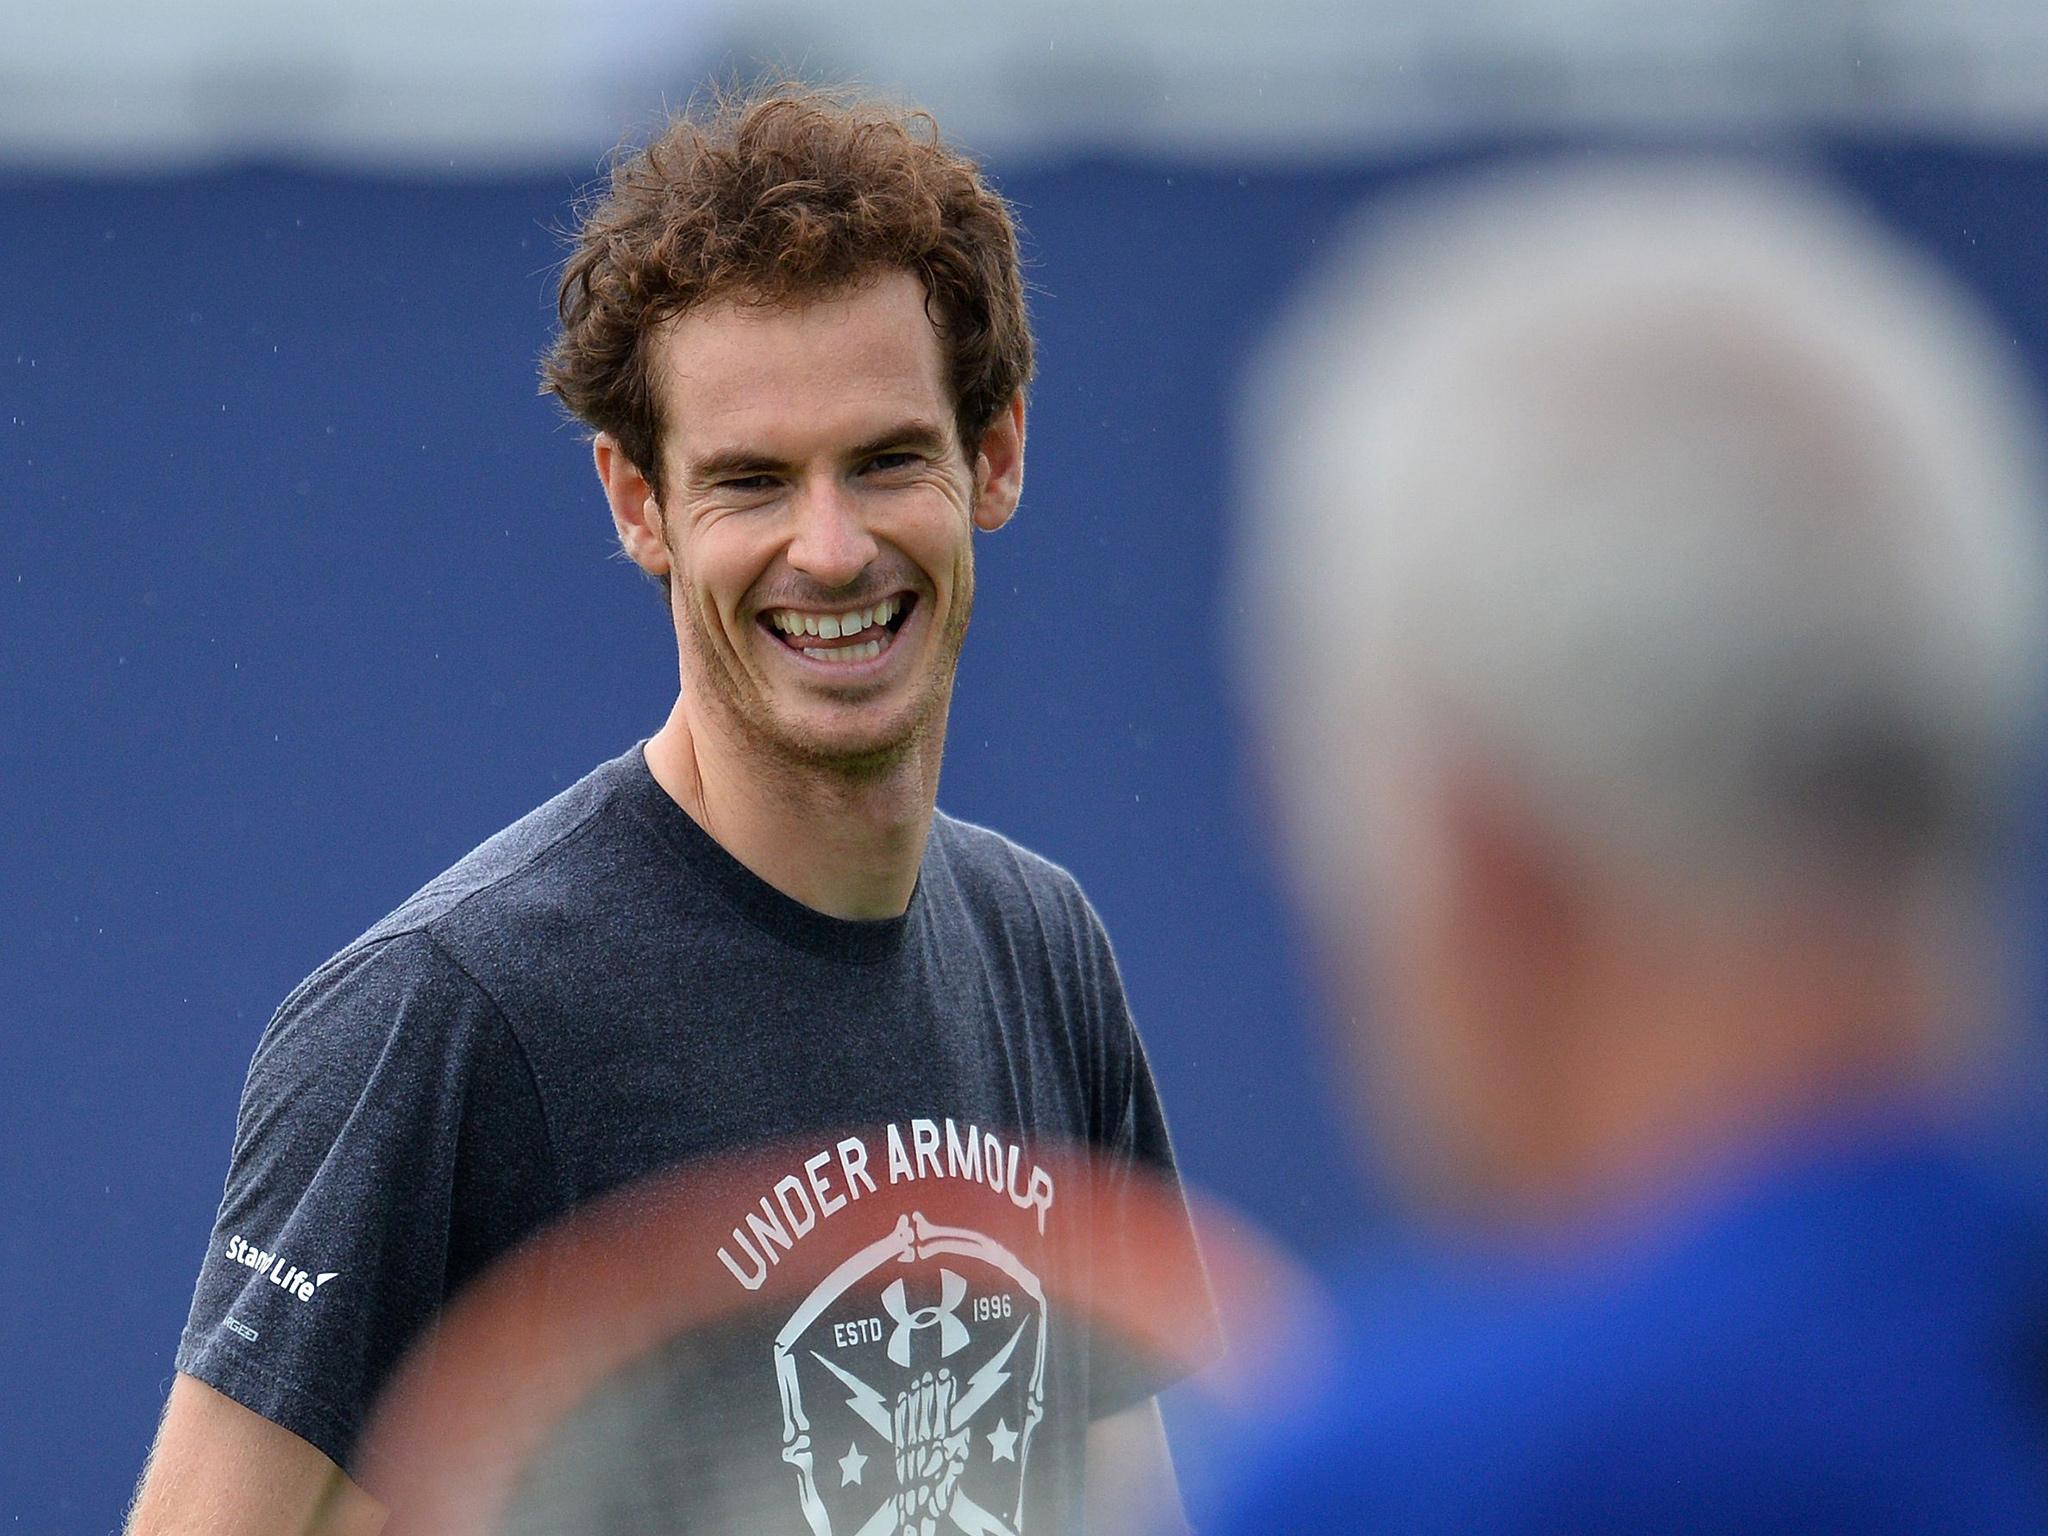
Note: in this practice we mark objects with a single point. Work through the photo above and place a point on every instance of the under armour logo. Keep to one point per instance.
(953, 1335)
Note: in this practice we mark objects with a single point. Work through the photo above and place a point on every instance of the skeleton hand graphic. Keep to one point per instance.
(930, 1454)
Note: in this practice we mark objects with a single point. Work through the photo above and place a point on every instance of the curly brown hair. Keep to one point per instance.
(785, 196)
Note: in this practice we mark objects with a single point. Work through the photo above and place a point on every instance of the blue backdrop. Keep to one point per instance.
(303, 591)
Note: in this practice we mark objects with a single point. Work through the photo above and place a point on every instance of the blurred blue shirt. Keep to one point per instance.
(1848, 1334)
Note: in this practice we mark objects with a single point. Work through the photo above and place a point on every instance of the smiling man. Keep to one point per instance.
(813, 528)
(796, 328)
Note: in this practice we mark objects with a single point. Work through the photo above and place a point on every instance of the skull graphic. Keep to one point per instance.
(918, 1383)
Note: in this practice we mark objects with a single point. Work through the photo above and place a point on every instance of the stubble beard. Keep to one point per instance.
(755, 722)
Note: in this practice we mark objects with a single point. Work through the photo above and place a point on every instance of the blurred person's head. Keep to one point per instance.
(1650, 615)
(780, 199)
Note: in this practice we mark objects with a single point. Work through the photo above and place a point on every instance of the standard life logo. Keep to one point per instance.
(286, 1277)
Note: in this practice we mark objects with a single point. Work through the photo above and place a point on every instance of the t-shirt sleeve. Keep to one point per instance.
(341, 1226)
(1149, 1264)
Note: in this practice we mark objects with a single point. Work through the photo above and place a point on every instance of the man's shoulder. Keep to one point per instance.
(1821, 1357)
(522, 877)
(1536, 1418)
(988, 858)
(998, 877)
(535, 855)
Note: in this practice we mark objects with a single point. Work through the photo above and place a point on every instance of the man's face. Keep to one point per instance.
(817, 519)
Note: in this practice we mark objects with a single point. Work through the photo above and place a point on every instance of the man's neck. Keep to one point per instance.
(847, 846)
(1661, 1071)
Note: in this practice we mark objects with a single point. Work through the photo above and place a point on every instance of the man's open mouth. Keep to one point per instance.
(845, 635)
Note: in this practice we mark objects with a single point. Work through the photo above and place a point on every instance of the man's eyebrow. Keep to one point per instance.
(925, 437)
(731, 462)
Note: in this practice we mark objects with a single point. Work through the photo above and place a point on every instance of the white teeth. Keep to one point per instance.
(834, 626)
(866, 651)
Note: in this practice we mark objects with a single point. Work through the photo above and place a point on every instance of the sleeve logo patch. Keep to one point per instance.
(287, 1277)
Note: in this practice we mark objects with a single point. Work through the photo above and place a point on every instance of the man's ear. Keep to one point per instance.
(1514, 887)
(635, 511)
(999, 467)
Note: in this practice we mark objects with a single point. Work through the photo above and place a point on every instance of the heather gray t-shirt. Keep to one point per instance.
(897, 1303)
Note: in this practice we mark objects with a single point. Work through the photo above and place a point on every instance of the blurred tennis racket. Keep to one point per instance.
(796, 1341)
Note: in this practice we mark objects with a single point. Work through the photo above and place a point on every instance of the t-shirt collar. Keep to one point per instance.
(859, 942)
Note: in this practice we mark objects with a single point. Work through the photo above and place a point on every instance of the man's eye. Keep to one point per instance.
(746, 484)
(889, 461)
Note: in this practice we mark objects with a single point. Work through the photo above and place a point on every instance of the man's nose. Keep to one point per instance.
(831, 543)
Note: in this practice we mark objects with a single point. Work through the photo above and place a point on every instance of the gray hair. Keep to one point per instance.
(1692, 503)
